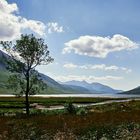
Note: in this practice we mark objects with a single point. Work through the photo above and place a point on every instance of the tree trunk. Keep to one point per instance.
(27, 94)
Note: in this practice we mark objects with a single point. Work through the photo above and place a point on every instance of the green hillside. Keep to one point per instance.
(3, 80)
(52, 85)
(135, 91)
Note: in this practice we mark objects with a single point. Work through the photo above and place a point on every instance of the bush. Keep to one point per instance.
(70, 108)
(35, 112)
(81, 111)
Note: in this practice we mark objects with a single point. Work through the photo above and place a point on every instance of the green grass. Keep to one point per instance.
(115, 107)
(8, 101)
(9, 104)
(14, 105)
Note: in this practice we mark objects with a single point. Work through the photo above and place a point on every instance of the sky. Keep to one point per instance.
(91, 40)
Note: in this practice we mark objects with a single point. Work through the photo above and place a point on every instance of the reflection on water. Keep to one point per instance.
(83, 95)
(89, 95)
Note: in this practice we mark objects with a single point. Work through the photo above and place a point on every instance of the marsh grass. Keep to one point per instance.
(115, 121)
(71, 127)
(9, 104)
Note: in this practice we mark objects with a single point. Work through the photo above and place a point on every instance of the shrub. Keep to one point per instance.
(70, 108)
(81, 111)
(35, 112)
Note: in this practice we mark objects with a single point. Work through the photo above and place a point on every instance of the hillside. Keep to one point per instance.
(135, 91)
(52, 85)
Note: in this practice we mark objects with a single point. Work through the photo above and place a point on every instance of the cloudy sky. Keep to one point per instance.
(91, 40)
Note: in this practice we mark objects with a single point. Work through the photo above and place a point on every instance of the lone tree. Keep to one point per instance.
(27, 53)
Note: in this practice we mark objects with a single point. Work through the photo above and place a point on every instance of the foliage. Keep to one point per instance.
(81, 111)
(57, 124)
(25, 55)
(123, 131)
(35, 112)
(18, 83)
(116, 107)
(23, 131)
(16, 104)
(64, 135)
(70, 108)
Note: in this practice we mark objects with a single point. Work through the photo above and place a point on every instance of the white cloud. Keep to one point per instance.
(54, 27)
(96, 46)
(7, 8)
(89, 79)
(97, 67)
(33, 25)
(70, 66)
(11, 25)
(127, 70)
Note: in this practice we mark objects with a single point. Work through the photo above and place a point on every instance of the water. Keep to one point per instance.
(90, 95)
(83, 95)
(131, 97)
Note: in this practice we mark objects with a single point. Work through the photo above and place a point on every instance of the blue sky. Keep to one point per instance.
(92, 40)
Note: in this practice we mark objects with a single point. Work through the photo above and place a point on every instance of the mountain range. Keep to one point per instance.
(92, 87)
(59, 87)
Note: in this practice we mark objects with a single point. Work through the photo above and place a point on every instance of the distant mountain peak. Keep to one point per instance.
(65, 87)
(93, 87)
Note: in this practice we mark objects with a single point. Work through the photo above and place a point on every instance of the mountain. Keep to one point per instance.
(2, 59)
(93, 87)
(52, 85)
(62, 88)
(135, 91)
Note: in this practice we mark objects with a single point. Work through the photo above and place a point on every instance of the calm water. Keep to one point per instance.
(83, 95)
(90, 95)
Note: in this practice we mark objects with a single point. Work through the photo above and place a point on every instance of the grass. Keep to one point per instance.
(58, 99)
(98, 124)
(16, 105)
(19, 102)
(110, 121)
(115, 107)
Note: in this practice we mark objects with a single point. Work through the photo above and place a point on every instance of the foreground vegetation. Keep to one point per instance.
(70, 127)
(110, 121)
(10, 105)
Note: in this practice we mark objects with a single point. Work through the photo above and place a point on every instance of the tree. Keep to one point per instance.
(27, 53)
